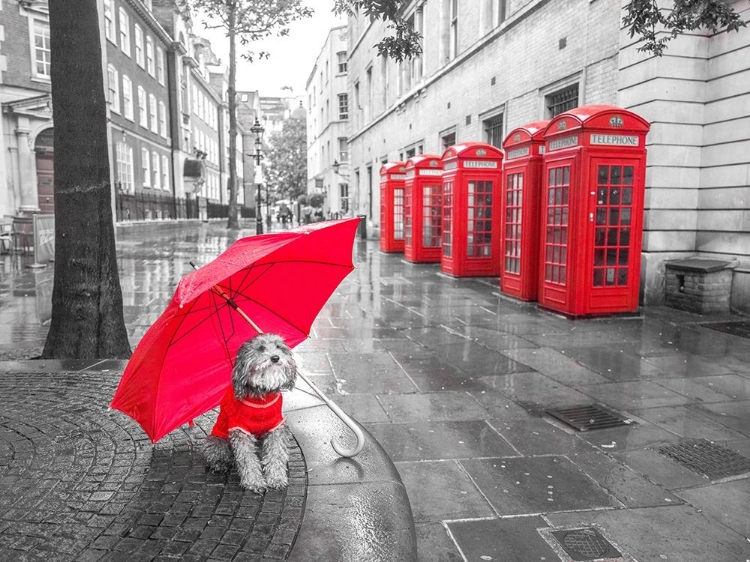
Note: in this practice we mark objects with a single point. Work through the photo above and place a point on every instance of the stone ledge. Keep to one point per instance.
(347, 496)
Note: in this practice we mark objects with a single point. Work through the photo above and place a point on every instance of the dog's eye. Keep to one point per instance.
(262, 348)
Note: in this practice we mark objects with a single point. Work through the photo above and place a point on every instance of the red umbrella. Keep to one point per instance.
(274, 283)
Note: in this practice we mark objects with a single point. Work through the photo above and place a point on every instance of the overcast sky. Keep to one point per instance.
(292, 57)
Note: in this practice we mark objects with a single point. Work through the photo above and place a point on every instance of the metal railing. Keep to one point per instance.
(145, 206)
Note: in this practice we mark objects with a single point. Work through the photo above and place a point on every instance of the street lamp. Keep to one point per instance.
(258, 130)
(336, 167)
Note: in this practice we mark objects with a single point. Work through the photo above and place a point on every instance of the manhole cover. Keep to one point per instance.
(588, 417)
(585, 544)
(739, 328)
(708, 459)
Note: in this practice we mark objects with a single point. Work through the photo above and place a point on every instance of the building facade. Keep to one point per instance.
(26, 147)
(489, 66)
(327, 124)
(167, 114)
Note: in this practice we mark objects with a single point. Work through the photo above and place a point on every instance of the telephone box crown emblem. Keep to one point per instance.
(616, 121)
(562, 125)
(433, 163)
(516, 137)
(481, 152)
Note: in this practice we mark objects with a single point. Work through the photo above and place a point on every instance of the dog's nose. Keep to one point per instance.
(274, 358)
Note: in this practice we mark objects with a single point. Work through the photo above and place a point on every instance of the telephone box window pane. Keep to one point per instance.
(615, 175)
(557, 231)
(479, 232)
(622, 276)
(447, 225)
(614, 217)
(627, 196)
(601, 216)
(612, 236)
(611, 257)
(624, 254)
(603, 175)
(614, 196)
(598, 278)
(610, 277)
(601, 196)
(625, 237)
(626, 216)
(598, 257)
(600, 237)
(431, 216)
(627, 175)
(398, 214)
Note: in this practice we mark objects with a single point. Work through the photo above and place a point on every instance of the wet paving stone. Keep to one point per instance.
(526, 485)
(440, 440)
(634, 395)
(514, 539)
(436, 406)
(452, 494)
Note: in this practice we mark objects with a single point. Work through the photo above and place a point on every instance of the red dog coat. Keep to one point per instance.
(256, 416)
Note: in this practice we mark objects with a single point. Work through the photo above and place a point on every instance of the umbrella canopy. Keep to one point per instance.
(280, 281)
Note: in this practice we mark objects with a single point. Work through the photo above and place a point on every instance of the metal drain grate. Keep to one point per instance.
(585, 544)
(588, 417)
(708, 459)
(739, 328)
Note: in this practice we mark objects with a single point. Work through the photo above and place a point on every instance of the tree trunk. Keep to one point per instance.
(87, 314)
(233, 223)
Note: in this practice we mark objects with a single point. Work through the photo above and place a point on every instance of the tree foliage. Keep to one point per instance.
(404, 43)
(657, 25)
(248, 21)
(285, 166)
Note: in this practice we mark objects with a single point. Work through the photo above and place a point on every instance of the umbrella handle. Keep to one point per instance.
(343, 417)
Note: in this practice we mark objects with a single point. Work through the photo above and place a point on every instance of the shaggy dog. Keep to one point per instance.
(250, 428)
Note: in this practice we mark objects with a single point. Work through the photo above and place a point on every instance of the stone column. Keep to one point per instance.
(29, 202)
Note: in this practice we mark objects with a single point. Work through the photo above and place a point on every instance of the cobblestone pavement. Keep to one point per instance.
(80, 483)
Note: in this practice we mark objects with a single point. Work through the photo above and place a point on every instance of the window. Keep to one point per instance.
(152, 113)
(344, 197)
(124, 156)
(146, 167)
(343, 106)
(41, 49)
(160, 65)
(343, 150)
(142, 113)
(454, 29)
(156, 170)
(114, 88)
(561, 101)
(447, 139)
(127, 98)
(109, 21)
(164, 172)
(368, 114)
(162, 119)
(124, 32)
(493, 130)
(139, 46)
(150, 55)
(341, 56)
(500, 9)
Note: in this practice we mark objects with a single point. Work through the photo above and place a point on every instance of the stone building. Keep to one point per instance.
(489, 66)
(167, 113)
(327, 123)
(26, 148)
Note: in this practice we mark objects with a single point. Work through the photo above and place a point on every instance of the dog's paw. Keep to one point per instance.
(255, 486)
(277, 482)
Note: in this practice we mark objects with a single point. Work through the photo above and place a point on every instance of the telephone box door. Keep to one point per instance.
(555, 255)
(614, 264)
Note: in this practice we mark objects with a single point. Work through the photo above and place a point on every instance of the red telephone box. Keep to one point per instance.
(423, 208)
(392, 176)
(521, 194)
(471, 210)
(592, 211)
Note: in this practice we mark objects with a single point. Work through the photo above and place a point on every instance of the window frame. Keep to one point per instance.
(142, 107)
(113, 88)
(110, 30)
(153, 114)
(146, 166)
(150, 68)
(34, 24)
(124, 31)
(127, 98)
(138, 38)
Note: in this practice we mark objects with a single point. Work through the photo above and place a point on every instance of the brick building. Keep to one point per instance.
(167, 113)
(26, 149)
(489, 66)
(327, 123)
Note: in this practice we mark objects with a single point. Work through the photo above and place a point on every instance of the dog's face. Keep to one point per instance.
(264, 365)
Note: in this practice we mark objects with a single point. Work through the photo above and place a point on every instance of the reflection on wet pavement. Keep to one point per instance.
(453, 380)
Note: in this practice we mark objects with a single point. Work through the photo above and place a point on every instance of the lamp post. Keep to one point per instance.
(258, 130)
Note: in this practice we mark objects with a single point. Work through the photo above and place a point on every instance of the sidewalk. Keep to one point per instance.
(454, 381)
